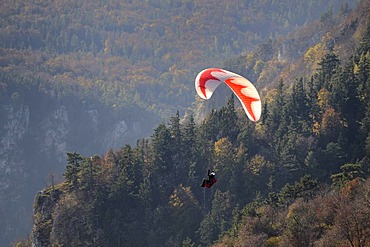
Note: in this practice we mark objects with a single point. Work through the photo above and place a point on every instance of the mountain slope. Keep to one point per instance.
(144, 52)
(94, 75)
(298, 177)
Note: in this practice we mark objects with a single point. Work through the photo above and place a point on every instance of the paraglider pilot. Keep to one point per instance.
(210, 181)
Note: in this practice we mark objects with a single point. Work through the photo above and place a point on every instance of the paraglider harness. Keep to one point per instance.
(210, 181)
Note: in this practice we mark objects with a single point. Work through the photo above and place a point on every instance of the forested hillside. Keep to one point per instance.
(141, 53)
(88, 76)
(300, 177)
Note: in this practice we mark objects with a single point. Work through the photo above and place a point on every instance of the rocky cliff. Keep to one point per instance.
(34, 139)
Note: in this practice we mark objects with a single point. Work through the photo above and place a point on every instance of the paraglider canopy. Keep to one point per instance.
(208, 80)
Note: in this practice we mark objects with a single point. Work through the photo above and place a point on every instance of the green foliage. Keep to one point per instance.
(144, 53)
(72, 169)
(217, 220)
(349, 172)
(150, 195)
(305, 188)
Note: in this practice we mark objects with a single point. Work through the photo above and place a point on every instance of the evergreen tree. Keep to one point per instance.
(288, 166)
(328, 65)
(162, 146)
(90, 170)
(348, 173)
(73, 167)
(297, 107)
(249, 140)
(219, 218)
(190, 150)
(163, 176)
(205, 138)
(352, 111)
(275, 114)
(312, 102)
(128, 170)
(363, 76)
(176, 147)
(228, 124)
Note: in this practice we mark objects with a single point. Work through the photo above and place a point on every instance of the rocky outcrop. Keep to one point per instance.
(34, 141)
(54, 134)
(15, 125)
(44, 204)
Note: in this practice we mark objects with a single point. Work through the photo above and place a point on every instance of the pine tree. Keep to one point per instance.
(72, 169)
(363, 76)
(297, 107)
(206, 135)
(228, 124)
(328, 65)
(288, 166)
(176, 147)
(277, 119)
(162, 146)
(348, 173)
(163, 177)
(90, 170)
(219, 219)
(128, 171)
(190, 149)
(352, 111)
(312, 103)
